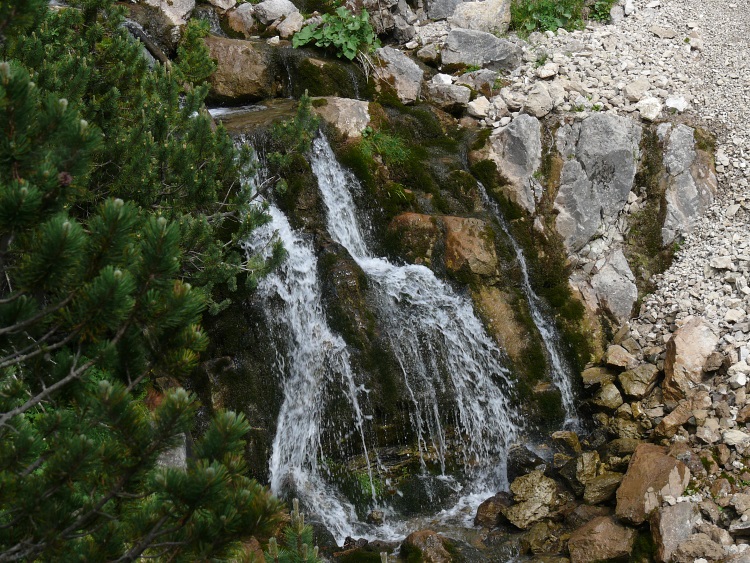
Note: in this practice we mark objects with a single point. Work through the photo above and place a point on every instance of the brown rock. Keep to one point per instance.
(540, 539)
(500, 317)
(602, 539)
(744, 415)
(687, 352)
(489, 512)
(535, 495)
(671, 525)
(243, 71)
(417, 235)
(469, 247)
(602, 487)
(639, 381)
(428, 544)
(671, 423)
(698, 546)
(597, 376)
(650, 476)
(617, 356)
(567, 440)
(608, 397)
(584, 513)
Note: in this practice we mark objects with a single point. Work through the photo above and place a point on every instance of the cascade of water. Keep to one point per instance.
(560, 370)
(314, 365)
(449, 362)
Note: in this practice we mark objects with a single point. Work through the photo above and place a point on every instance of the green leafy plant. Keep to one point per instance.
(347, 33)
(390, 148)
(600, 10)
(546, 15)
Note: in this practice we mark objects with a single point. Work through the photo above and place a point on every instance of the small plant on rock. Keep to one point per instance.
(546, 15)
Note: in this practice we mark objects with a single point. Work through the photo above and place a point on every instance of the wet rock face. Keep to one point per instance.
(469, 246)
(602, 539)
(243, 71)
(600, 160)
(427, 544)
(650, 477)
(164, 20)
(687, 352)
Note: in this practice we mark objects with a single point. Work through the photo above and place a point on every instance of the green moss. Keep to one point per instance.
(327, 78)
(644, 249)
(319, 103)
(481, 139)
(644, 548)
(359, 556)
(704, 140)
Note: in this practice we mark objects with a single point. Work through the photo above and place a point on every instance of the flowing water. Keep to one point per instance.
(449, 363)
(455, 377)
(560, 370)
(314, 365)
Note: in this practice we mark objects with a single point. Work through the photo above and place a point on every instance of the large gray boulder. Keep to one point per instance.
(448, 97)
(441, 9)
(691, 183)
(491, 16)
(465, 47)
(516, 150)
(601, 156)
(400, 72)
(269, 11)
(614, 285)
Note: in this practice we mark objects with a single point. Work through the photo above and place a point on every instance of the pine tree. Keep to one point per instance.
(102, 292)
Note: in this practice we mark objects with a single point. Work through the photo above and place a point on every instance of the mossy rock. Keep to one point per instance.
(303, 70)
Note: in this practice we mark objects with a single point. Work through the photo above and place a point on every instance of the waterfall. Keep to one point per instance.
(314, 366)
(442, 347)
(560, 370)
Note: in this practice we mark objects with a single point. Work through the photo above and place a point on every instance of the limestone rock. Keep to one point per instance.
(164, 19)
(619, 357)
(348, 116)
(402, 73)
(538, 102)
(291, 24)
(602, 487)
(269, 11)
(601, 154)
(650, 108)
(608, 397)
(241, 19)
(635, 90)
(448, 97)
(516, 150)
(602, 539)
(698, 546)
(640, 381)
(491, 16)
(223, 4)
(465, 47)
(615, 286)
(671, 423)
(429, 545)
(687, 351)
(691, 184)
(469, 246)
(597, 376)
(535, 495)
(441, 9)
(672, 525)
(242, 72)
(651, 475)
(479, 107)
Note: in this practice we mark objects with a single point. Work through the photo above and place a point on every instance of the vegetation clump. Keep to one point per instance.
(346, 33)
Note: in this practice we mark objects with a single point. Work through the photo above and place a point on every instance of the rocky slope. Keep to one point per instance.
(622, 146)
